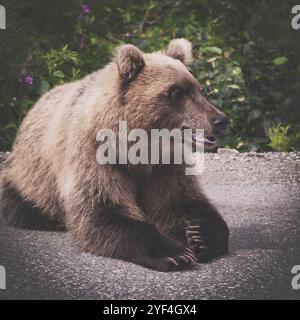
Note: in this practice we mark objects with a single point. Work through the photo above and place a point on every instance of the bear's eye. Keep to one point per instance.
(176, 93)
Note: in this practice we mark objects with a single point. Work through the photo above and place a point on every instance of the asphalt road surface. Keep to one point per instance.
(259, 197)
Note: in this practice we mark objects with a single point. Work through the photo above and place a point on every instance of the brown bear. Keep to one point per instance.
(152, 215)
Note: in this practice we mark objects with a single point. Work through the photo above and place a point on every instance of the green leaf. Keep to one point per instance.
(215, 50)
(213, 59)
(58, 74)
(280, 60)
(236, 71)
(11, 125)
(42, 87)
(234, 86)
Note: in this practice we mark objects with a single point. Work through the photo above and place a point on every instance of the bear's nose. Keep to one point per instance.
(220, 124)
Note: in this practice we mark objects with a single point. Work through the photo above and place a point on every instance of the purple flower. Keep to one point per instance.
(86, 8)
(27, 79)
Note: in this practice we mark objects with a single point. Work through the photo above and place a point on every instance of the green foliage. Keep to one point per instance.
(246, 56)
(281, 139)
(54, 68)
(280, 60)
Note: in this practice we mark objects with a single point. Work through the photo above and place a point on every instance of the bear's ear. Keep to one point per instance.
(130, 62)
(180, 49)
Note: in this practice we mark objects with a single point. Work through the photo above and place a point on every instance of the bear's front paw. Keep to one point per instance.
(183, 258)
(207, 238)
(179, 259)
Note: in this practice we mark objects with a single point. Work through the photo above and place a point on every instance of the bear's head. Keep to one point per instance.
(158, 91)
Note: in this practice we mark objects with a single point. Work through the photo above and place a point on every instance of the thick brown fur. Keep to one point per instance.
(155, 216)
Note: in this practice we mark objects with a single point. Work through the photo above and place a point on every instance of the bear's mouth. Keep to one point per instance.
(208, 141)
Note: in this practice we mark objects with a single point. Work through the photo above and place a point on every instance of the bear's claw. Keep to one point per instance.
(206, 238)
(197, 242)
(179, 261)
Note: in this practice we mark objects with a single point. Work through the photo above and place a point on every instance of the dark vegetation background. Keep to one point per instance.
(246, 54)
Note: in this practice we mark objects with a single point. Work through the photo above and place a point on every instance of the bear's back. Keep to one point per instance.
(33, 164)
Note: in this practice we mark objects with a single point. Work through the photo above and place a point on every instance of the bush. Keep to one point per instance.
(245, 54)
(281, 139)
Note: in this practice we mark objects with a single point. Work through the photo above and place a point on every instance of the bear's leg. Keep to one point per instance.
(180, 210)
(22, 213)
(206, 232)
(112, 231)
